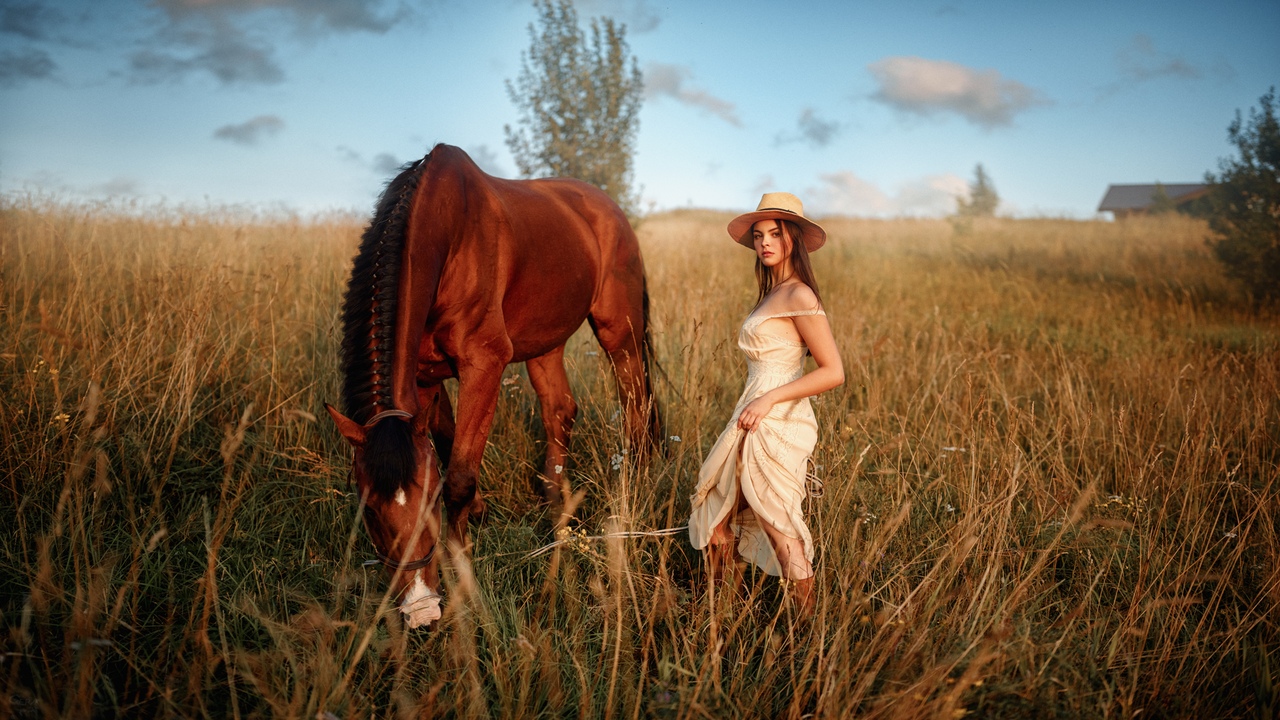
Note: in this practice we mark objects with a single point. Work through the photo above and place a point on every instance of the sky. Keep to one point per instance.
(877, 109)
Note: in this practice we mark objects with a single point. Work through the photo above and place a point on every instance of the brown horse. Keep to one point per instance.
(458, 275)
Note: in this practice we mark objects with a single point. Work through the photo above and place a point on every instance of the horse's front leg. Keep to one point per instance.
(478, 384)
(558, 413)
(435, 399)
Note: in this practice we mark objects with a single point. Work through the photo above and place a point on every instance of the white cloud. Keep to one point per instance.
(764, 184)
(638, 15)
(382, 164)
(250, 131)
(235, 40)
(386, 164)
(811, 129)
(1140, 61)
(929, 87)
(308, 15)
(30, 19)
(665, 80)
(488, 160)
(118, 187)
(844, 193)
(27, 64)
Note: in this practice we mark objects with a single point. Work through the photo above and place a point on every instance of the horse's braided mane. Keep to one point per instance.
(368, 331)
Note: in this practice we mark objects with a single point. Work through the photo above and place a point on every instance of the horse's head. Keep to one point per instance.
(397, 477)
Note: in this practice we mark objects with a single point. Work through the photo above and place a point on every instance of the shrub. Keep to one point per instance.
(1245, 202)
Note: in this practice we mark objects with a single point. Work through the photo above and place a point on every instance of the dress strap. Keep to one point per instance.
(797, 313)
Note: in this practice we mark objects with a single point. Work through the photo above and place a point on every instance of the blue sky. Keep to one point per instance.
(874, 109)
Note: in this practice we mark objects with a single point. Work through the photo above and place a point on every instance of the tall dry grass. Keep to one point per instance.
(1050, 488)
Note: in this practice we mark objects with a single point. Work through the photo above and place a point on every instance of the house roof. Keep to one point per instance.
(1138, 197)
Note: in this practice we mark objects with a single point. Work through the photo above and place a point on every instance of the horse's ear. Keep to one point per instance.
(350, 429)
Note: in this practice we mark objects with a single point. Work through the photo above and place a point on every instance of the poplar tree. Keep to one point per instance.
(579, 96)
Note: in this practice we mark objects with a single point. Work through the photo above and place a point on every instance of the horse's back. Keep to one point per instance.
(536, 253)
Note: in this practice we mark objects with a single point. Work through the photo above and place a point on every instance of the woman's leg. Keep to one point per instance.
(795, 567)
(722, 545)
(790, 552)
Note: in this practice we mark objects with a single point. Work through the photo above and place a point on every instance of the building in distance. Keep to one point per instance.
(1129, 200)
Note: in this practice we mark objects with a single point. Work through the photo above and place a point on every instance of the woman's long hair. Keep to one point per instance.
(799, 263)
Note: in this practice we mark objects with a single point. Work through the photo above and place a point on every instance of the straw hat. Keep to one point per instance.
(778, 206)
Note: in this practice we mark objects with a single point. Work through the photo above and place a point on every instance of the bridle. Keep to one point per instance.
(401, 566)
(386, 414)
(395, 565)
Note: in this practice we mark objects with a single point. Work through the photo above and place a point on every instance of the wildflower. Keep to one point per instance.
(61, 417)
(559, 469)
(675, 438)
(949, 508)
(1228, 534)
(954, 449)
(510, 380)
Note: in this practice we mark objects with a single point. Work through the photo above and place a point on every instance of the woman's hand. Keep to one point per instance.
(754, 412)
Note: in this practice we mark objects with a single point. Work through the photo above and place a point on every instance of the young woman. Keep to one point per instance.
(752, 483)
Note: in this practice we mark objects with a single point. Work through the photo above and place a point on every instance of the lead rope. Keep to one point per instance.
(814, 488)
(572, 538)
(812, 483)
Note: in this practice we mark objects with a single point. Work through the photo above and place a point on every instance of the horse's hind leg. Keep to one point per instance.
(558, 413)
(618, 320)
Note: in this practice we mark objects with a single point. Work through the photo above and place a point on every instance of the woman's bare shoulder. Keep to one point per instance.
(799, 298)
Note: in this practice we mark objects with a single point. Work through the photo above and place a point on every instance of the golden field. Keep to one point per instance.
(1050, 487)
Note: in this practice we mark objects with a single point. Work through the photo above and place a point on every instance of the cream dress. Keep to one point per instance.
(769, 463)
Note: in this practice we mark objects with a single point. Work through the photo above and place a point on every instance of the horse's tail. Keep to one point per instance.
(369, 309)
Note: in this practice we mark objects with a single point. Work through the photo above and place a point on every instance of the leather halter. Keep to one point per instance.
(386, 414)
(403, 566)
(412, 564)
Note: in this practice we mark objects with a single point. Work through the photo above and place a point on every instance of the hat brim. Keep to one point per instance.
(740, 227)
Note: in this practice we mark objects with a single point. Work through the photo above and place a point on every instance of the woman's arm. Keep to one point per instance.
(829, 373)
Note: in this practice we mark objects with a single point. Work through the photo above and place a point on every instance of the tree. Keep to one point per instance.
(1245, 201)
(1161, 203)
(579, 101)
(983, 199)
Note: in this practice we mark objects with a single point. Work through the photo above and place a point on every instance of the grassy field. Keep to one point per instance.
(1050, 487)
